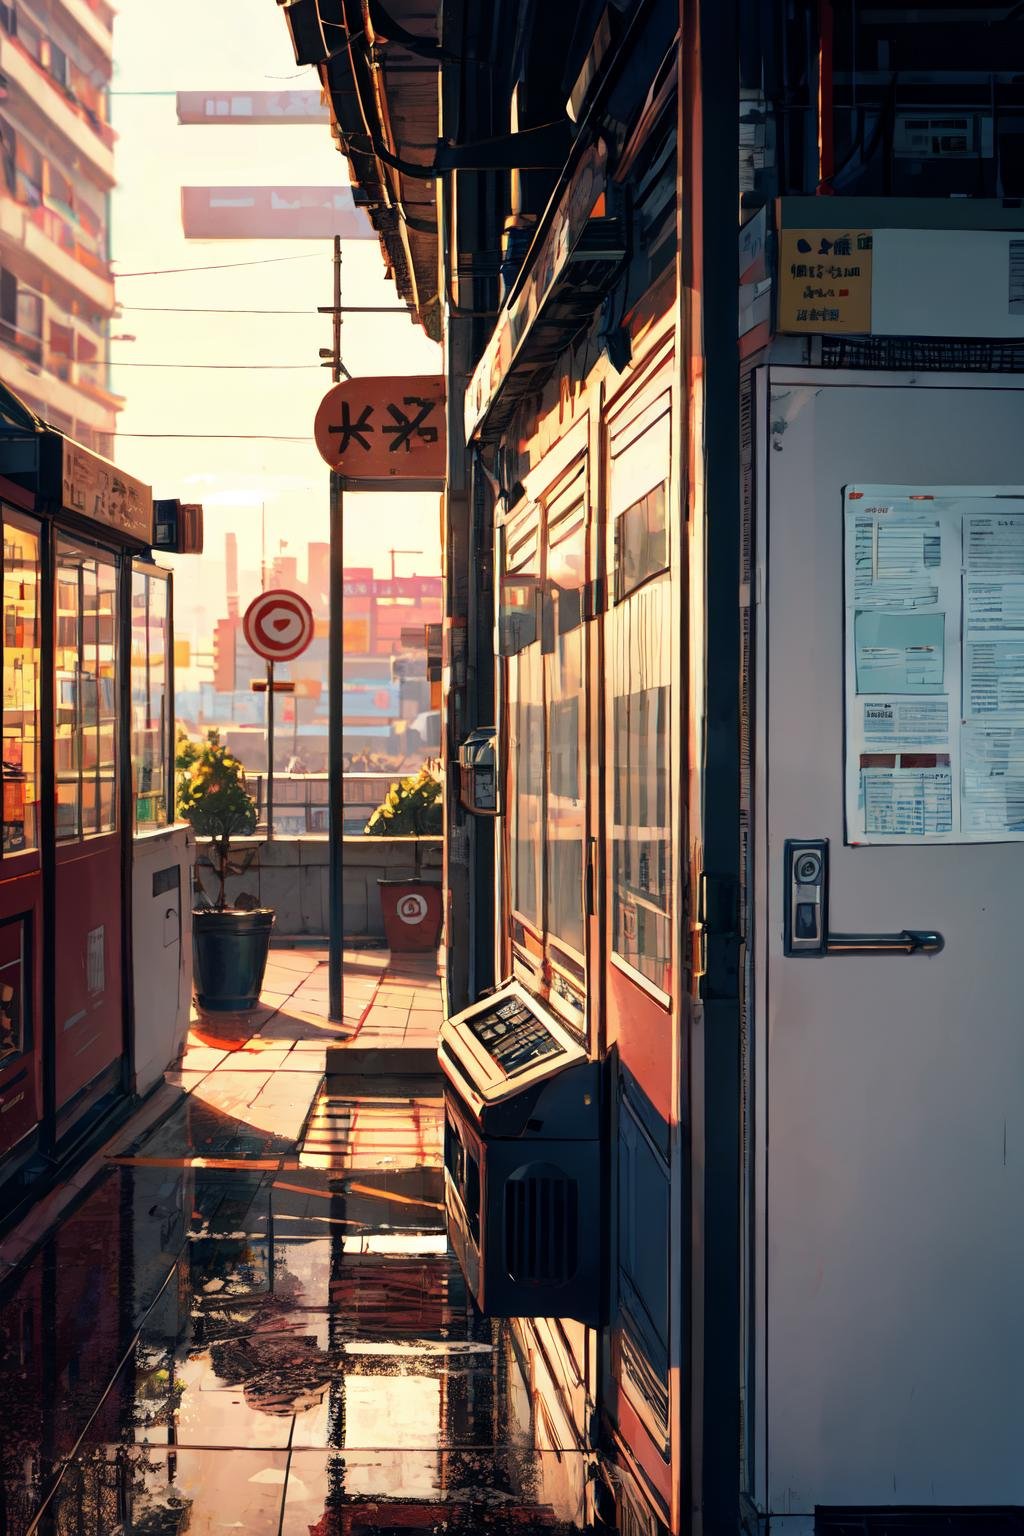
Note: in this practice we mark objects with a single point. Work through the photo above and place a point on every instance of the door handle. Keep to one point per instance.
(911, 941)
(806, 913)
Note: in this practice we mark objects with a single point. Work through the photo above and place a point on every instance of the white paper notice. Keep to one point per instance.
(934, 669)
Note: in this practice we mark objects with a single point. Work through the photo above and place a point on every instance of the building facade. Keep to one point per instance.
(56, 287)
(731, 302)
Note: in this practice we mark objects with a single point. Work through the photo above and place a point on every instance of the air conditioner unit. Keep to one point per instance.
(522, 1165)
(942, 135)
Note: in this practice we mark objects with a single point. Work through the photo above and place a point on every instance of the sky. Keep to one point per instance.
(257, 483)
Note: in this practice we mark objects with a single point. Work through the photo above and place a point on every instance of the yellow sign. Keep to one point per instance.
(182, 654)
(355, 636)
(825, 280)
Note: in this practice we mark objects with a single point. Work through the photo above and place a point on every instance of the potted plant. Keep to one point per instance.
(229, 943)
(413, 807)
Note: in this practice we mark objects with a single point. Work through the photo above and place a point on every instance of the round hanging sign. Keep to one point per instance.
(278, 625)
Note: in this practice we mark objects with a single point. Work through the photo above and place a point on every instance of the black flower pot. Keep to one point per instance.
(229, 955)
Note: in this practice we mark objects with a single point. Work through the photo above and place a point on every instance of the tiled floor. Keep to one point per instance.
(250, 1322)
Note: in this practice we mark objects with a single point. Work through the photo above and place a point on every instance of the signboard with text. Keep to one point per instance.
(98, 490)
(825, 280)
(384, 429)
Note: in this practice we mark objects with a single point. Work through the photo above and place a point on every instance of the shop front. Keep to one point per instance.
(88, 721)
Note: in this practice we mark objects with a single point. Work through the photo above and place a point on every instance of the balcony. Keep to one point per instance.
(36, 92)
(41, 238)
(87, 17)
(21, 367)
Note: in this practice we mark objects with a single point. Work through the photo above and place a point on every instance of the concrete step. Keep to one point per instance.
(375, 1071)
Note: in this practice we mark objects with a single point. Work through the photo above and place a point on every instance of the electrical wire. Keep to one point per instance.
(170, 309)
(174, 309)
(220, 266)
(114, 362)
(241, 437)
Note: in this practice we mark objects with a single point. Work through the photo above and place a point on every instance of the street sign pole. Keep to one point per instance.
(270, 751)
(375, 434)
(335, 754)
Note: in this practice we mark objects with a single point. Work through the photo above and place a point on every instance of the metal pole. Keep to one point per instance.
(335, 753)
(335, 687)
(270, 751)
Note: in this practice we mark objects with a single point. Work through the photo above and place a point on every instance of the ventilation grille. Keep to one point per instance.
(921, 354)
(541, 1227)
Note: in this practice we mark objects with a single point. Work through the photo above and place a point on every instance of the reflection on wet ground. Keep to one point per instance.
(274, 1341)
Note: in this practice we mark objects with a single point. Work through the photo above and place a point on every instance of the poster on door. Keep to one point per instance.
(934, 664)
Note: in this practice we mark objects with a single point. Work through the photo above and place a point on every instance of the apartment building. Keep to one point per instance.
(56, 288)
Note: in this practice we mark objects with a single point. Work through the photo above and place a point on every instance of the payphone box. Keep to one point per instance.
(478, 773)
(522, 1164)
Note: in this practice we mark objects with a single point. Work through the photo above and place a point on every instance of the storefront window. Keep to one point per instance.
(544, 638)
(21, 684)
(520, 642)
(85, 684)
(565, 822)
(151, 714)
(641, 666)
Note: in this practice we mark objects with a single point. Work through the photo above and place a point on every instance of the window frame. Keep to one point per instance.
(26, 523)
(101, 556)
(151, 574)
(624, 432)
(548, 964)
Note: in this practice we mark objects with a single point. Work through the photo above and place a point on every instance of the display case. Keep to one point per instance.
(522, 1170)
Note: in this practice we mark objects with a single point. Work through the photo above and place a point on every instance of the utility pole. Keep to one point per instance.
(335, 686)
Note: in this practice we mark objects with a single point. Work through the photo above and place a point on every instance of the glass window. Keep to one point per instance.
(565, 817)
(21, 684)
(542, 633)
(640, 675)
(85, 686)
(519, 638)
(14, 1010)
(151, 712)
(641, 542)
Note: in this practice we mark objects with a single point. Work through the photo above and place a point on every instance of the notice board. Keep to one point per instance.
(934, 664)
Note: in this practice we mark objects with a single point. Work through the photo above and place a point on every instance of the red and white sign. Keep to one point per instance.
(278, 625)
(412, 909)
(389, 429)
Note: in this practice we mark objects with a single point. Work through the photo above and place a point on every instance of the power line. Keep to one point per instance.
(244, 437)
(171, 309)
(220, 266)
(114, 362)
(346, 309)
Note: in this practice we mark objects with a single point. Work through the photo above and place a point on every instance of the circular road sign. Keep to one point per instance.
(278, 625)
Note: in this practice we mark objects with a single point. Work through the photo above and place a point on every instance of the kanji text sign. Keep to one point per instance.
(384, 429)
(825, 280)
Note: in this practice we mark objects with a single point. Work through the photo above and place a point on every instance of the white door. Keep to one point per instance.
(891, 1160)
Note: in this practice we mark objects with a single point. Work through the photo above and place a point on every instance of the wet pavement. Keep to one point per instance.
(250, 1320)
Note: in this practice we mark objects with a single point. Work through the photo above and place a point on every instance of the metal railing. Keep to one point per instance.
(300, 801)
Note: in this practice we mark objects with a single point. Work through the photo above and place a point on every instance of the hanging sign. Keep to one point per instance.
(97, 489)
(278, 625)
(384, 429)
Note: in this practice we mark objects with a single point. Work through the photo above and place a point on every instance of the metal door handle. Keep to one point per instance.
(909, 942)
